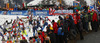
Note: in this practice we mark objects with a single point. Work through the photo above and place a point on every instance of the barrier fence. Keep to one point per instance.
(36, 12)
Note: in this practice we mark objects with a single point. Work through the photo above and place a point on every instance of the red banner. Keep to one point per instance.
(59, 12)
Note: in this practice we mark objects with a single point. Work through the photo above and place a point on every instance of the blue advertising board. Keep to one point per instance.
(18, 12)
(41, 13)
(35, 12)
(26, 12)
(3, 12)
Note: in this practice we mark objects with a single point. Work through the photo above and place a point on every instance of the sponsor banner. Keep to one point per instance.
(3, 12)
(58, 11)
(37, 12)
(41, 13)
(26, 13)
(18, 12)
(61, 12)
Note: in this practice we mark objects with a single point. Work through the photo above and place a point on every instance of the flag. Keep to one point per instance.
(7, 5)
(24, 4)
(75, 3)
(60, 2)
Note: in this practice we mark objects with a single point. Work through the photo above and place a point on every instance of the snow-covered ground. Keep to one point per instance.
(3, 18)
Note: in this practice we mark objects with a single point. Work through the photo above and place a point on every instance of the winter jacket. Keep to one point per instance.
(24, 32)
(78, 17)
(99, 19)
(43, 34)
(45, 24)
(38, 23)
(94, 17)
(58, 22)
(71, 23)
(74, 18)
(38, 40)
(65, 25)
(85, 18)
(41, 38)
(52, 37)
(91, 15)
(55, 27)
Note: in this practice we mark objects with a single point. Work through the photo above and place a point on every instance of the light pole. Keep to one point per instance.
(95, 4)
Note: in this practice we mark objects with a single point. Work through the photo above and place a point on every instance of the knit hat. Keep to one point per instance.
(53, 21)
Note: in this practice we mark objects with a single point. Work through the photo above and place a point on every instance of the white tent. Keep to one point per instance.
(69, 2)
(34, 2)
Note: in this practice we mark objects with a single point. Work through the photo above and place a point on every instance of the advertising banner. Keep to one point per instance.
(17, 12)
(3, 12)
(26, 12)
(36, 12)
(41, 13)
(60, 12)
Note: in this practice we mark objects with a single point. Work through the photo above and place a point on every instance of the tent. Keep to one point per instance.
(34, 3)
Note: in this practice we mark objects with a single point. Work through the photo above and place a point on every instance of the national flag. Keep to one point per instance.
(7, 5)
(24, 4)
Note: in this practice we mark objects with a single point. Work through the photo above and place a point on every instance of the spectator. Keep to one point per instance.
(95, 21)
